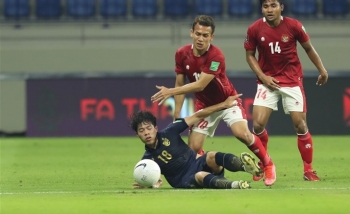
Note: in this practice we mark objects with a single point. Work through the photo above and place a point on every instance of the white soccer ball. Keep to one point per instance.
(146, 172)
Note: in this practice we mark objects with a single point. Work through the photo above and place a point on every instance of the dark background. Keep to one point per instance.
(54, 106)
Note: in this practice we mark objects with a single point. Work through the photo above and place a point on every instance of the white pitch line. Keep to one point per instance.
(161, 190)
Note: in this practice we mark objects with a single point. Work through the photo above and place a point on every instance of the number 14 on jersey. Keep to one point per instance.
(275, 48)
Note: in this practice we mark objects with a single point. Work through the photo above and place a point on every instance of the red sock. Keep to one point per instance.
(258, 149)
(264, 138)
(306, 150)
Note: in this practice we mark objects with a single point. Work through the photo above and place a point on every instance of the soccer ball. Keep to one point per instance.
(146, 172)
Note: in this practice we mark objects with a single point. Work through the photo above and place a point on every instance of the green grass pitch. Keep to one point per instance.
(94, 175)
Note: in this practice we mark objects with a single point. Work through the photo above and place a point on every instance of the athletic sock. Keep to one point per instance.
(216, 182)
(229, 161)
(264, 138)
(306, 150)
(258, 149)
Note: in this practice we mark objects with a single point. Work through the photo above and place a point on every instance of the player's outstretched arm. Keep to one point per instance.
(156, 185)
(316, 60)
(199, 85)
(228, 103)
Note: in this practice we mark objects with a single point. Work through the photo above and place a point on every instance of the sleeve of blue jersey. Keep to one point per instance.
(178, 126)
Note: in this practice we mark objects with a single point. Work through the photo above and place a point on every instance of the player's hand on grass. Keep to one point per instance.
(138, 186)
(231, 101)
(161, 95)
(156, 185)
(322, 79)
(271, 83)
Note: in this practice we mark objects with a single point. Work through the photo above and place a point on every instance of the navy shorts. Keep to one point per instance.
(200, 164)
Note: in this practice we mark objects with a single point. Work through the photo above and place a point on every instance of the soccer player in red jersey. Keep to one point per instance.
(204, 66)
(280, 74)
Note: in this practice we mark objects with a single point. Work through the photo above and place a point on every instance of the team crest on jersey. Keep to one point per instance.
(166, 142)
(285, 38)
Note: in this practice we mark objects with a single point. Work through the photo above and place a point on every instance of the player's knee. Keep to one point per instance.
(195, 144)
(199, 176)
(210, 157)
(258, 127)
(194, 147)
(301, 127)
(245, 137)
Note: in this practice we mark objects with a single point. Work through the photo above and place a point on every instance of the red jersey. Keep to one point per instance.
(277, 48)
(211, 62)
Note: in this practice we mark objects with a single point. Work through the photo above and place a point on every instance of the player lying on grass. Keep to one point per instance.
(180, 165)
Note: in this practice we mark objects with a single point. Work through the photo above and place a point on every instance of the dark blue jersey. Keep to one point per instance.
(172, 154)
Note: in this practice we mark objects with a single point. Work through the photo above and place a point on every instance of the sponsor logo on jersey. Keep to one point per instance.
(166, 142)
(346, 106)
(285, 38)
(214, 66)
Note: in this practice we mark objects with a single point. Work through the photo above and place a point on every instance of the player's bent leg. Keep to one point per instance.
(250, 165)
(254, 144)
(242, 133)
(210, 161)
(196, 141)
(229, 161)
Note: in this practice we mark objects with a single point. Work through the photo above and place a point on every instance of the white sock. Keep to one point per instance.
(235, 185)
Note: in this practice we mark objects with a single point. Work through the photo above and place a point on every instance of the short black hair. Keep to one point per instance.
(205, 21)
(140, 117)
(262, 2)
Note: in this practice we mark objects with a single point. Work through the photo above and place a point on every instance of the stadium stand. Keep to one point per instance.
(335, 7)
(208, 7)
(240, 7)
(159, 10)
(304, 7)
(81, 8)
(144, 8)
(178, 8)
(113, 8)
(16, 8)
(48, 8)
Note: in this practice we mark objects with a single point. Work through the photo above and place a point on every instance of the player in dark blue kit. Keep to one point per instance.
(180, 165)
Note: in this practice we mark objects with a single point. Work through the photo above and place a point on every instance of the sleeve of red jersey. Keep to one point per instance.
(300, 33)
(214, 65)
(250, 41)
(178, 63)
